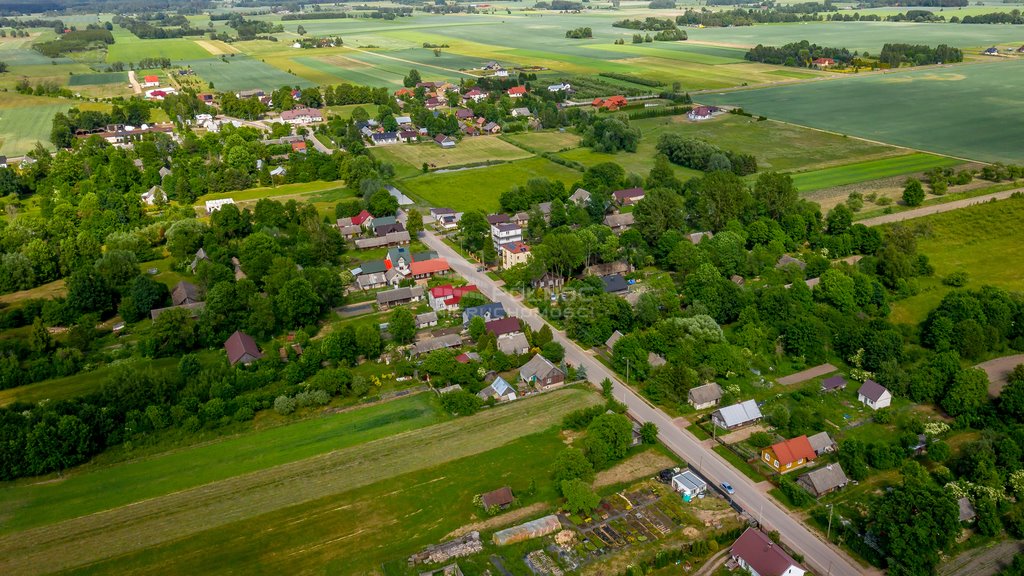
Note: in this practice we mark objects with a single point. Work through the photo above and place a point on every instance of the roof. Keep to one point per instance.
(429, 266)
(871, 390)
(507, 226)
(389, 238)
(824, 479)
(655, 360)
(500, 497)
(467, 357)
(300, 112)
(509, 325)
(786, 260)
(151, 79)
(741, 413)
(426, 318)
(614, 283)
(821, 442)
(515, 343)
(711, 392)
(194, 309)
(501, 386)
(184, 291)
(398, 294)
(759, 552)
(691, 481)
(517, 90)
(619, 220)
(491, 309)
(793, 450)
(967, 512)
(834, 383)
(538, 367)
(385, 136)
(580, 195)
(371, 266)
(384, 221)
(446, 341)
(499, 218)
(610, 342)
(516, 247)
(238, 345)
(370, 280)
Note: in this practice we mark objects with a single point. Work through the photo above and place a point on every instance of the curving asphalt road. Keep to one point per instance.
(819, 555)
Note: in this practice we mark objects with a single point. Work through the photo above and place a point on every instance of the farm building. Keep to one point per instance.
(705, 396)
(533, 529)
(833, 384)
(184, 293)
(701, 113)
(241, 348)
(444, 141)
(214, 205)
(398, 296)
(446, 341)
(500, 498)
(823, 480)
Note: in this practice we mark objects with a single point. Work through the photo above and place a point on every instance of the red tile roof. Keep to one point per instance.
(148, 79)
(429, 266)
(297, 146)
(792, 450)
(358, 219)
(517, 90)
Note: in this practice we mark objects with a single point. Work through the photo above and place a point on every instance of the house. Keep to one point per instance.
(426, 320)
(398, 258)
(548, 281)
(610, 104)
(3, 161)
(373, 266)
(439, 213)
(408, 136)
(385, 229)
(429, 268)
(833, 384)
(350, 231)
(521, 112)
(823, 63)
(257, 93)
(393, 277)
(467, 357)
(371, 280)
(785, 260)
(514, 253)
(993, 51)
(701, 113)
(389, 239)
(377, 224)
(214, 205)
(521, 218)
(505, 233)
(705, 396)
(444, 141)
(656, 360)
(619, 223)
(614, 284)
(153, 196)
(517, 92)
(500, 390)
(540, 372)
(240, 347)
(756, 553)
(580, 197)
(488, 312)
(447, 297)
(560, 87)
(629, 196)
(404, 92)
(199, 257)
(469, 130)
(384, 138)
(822, 443)
(500, 498)
(697, 237)
(150, 81)
(439, 343)
(464, 114)
(501, 73)
(967, 511)
(184, 293)
(689, 485)
(301, 116)
(278, 171)
(164, 171)
(874, 395)
(299, 147)
(399, 296)
(736, 415)
(610, 342)
(503, 326)
(433, 103)
(475, 95)
(498, 218)
(788, 455)
(823, 480)
(513, 343)
(491, 128)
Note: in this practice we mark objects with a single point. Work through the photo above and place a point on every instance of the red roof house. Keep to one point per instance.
(628, 196)
(149, 79)
(517, 91)
(824, 62)
(299, 146)
(502, 326)
(611, 103)
(789, 454)
(755, 552)
(404, 92)
(240, 347)
(428, 268)
(361, 218)
(447, 297)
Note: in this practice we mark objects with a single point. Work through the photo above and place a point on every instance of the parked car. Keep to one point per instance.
(728, 488)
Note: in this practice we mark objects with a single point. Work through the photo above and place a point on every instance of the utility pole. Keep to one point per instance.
(828, 536)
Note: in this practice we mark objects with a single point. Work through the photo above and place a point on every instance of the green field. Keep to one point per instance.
(546, 141)
(241, 73)
(869, 170)
(473, 150)
(312, 473)
(72, 386)
(982, 240)
(128, 48)
(25, 120)
(960, 111)
(479, 188)
(99, 78)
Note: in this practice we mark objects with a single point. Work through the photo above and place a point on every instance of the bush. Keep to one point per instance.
(285, 405)
(956, 279)
(760, 440)
(461, 403)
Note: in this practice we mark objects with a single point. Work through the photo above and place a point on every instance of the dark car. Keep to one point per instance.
(665, 476)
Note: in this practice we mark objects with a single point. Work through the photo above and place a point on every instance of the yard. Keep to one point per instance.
(470, 151)
(547, 141)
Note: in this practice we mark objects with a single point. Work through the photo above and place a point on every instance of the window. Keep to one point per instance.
(775, 463)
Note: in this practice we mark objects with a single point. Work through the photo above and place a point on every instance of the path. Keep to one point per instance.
(414, 64)
(134, 82)
(937, 208)
(998, 369)
(320, 145)
(819, 555)
(805, 375)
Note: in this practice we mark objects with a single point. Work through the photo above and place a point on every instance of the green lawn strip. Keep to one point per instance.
(86, 491)
(870, 170)
(319, 187)
(354, 532)
(98, 78)
(738, 463)
(133, 50)
(186, 514)
(698, 432)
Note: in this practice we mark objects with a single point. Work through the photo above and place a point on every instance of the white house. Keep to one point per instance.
(505, 233)
(689, 484)
(154, 195)
(214, 205)
(706, 396)
(301, 116)
(874, 395)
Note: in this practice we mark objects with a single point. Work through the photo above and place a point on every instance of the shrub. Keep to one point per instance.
(285, 405)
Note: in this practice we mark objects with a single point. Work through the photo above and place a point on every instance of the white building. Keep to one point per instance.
(505, 233)
(874, 395)
(214, 205)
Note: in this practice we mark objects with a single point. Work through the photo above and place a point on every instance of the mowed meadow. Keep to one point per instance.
(384, 480)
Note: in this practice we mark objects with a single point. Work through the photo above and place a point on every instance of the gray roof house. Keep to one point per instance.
(705, 396)
(737, 415)
(403, 295)
(823, 480)
(184, 293)
(515, 343)
(614, 284)
(446, 341)
(822, 443)
(426, 319)
(580, 197)
(610, 342)
(540, 371)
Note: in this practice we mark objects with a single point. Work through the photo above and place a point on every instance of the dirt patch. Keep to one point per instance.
(691, 532)
(741, 435)
(499, 520)
(570, 436)
(805, 375)
(643, 464)
(998, 370)
(982, 562)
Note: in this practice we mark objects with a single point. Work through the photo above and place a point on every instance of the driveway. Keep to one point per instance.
(818, 554)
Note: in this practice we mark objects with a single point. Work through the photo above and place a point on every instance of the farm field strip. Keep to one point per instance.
(870, 170)
(469, 151)
(178, 515)
(241, 73)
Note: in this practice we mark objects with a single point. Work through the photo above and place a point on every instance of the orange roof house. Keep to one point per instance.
(517, 91)
(148, 79)
(428, 268)
(788, 454)
(611, 103)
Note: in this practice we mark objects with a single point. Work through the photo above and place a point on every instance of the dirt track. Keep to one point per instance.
(937, 208)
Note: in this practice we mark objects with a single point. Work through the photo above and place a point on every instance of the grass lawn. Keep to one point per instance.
(55, 289)
(980, 240)
(25, 120)
(291, 478)
(869, 170)
(959, 110)
(479, 188)
(545, 141)
(475, 150)
(738, 463)
(319, 191)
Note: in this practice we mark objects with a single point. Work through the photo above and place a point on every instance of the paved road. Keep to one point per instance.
(319, 145)
(819, 555)
(937, 208)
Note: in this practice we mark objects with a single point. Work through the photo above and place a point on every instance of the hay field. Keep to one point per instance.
(469, 151)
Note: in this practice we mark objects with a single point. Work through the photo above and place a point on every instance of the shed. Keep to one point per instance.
(833, 384)
(822, 443)
(500, 498)
(689, 484)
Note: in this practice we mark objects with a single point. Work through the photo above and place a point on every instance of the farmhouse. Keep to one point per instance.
(788, 455)
(521, 113)
(500, 390)
(408, 136)
(475, 95)
(706, 396)
(398, 258)
(993, 51)
(399, 296)
(428, 268)
(874, 395)
(823, 63)
(611, 104)
(184, 293)
(823, 480)
(488, 312)
(514, 253)
(689, 485)
(755, 552)
(301, 116)
(214, 205)
(491, 128)
(446, 341)
(628, 196)
(500, 498)
(580, 197)
(382, 225)
(517, 92)
(701, 113)
(541, 372)
(736, 415)
(619, 223)
(240, 347)
(150, 81)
